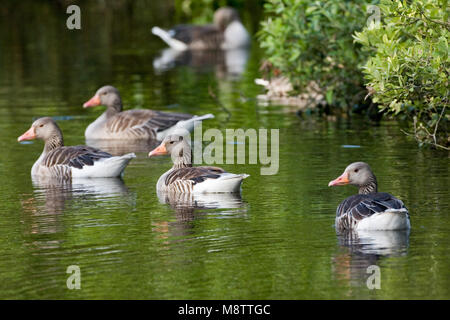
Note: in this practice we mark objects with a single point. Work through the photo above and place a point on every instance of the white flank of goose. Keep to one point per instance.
(66, 162)
(369, 209)
(184, 178)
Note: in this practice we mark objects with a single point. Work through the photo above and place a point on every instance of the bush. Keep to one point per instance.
(408, 69)
(202, 11)
(312, 41)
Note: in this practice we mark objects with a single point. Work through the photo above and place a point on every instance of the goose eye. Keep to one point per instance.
(41, 126)
(356, 170)
(171, 142)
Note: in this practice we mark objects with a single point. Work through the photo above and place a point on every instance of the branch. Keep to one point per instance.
(220, 104)
(445, 24)
(440, 117)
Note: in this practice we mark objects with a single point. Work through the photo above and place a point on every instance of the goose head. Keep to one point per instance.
(358, 174)
(105, 96)
(173, 145)
(224, 16)
(43, 129)
(177, 146)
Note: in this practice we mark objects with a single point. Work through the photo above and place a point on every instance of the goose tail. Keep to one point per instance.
(204, 117)
(183, 125)
(227, 183)
(167, 38)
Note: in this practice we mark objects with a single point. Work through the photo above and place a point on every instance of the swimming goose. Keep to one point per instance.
(226, 32)
(135, 124)
(184, 178)
(59, 161)
(368, 210)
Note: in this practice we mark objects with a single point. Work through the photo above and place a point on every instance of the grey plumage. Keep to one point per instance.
(361, 206)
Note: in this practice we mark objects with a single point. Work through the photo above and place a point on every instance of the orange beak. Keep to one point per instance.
(29, 135)
(159, 151)
(93, 102)
(340, 181)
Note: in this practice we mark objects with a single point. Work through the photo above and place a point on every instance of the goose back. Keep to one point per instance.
(184, 179)
(74, 156)
(355, 208)
(60, 161)
(198, 37)
(133, 124)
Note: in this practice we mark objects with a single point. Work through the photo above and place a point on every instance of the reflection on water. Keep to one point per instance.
(51, 196)
(378, 242)
(365, 248)
(188, 207)
(58, 189)
(228, 64)
(121, 147)
(60, 212)
(201, 200)
(279, 243)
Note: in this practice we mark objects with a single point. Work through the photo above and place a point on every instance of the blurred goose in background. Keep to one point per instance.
(59, 161)
(226, 32)
(184, 178)
(368, 210)
(135, 124)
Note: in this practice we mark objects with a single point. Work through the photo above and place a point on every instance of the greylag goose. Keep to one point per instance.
(226, 32)
(184, 178)
(59, 161)
(135, 124)
(368, 210)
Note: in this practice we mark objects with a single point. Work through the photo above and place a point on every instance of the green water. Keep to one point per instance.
(276, 241)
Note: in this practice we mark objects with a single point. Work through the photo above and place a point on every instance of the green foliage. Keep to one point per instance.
(202, 11)
(408, 68)
(312, 41)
